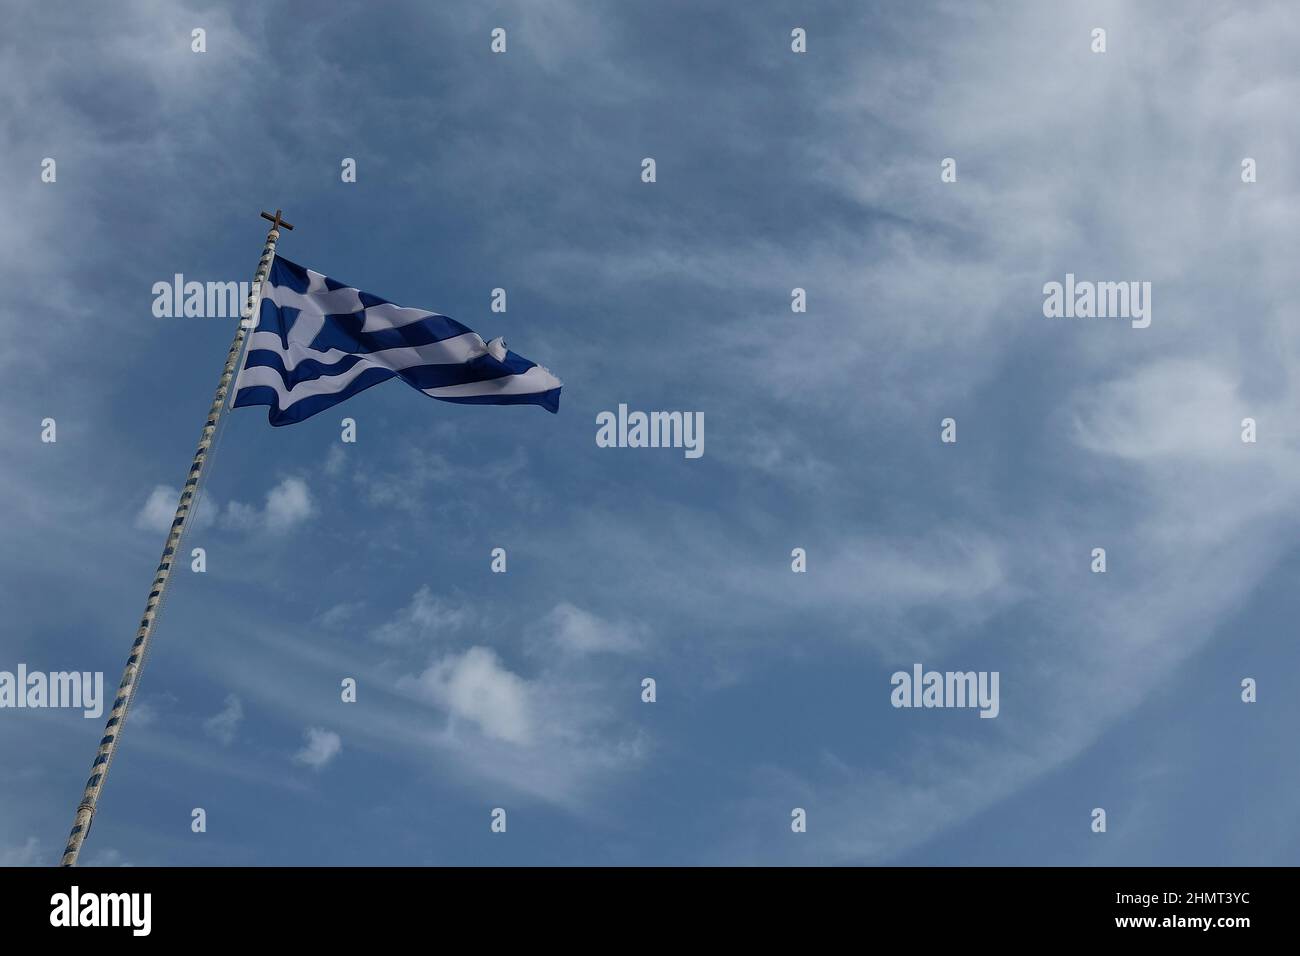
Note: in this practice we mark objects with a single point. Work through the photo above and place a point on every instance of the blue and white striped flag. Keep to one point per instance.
(319, 342)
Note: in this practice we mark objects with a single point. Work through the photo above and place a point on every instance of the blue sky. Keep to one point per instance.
(774, 171)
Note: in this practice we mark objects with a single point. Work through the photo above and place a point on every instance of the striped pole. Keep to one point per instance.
(140, 647)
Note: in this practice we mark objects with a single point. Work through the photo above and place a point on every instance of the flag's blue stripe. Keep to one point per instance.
(479, 369)
(516, 363)
(288, 274)
(344, 332)
(307, 407)
(549, 400)
(307, 370)
(438, 376)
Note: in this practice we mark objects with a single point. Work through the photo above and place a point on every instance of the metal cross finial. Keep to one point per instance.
(276, 221)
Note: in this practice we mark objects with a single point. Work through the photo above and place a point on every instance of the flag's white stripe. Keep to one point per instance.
(459, 349)
(325, 385)
(306, 327)
(332, 302)
(347, 301)
(390, 316)
(536, 379)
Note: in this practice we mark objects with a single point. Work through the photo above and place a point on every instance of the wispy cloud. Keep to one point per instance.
(289, 503)
(224, 725)
(427, 618)
(321, 747)
(473, 686)
(26, 854)
(569, 629)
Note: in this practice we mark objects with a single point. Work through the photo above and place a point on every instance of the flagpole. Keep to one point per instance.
(140, 647)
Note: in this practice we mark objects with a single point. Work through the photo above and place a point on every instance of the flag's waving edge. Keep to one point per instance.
(319, 342)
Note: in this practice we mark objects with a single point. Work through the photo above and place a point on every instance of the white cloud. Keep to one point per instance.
(287, 504)
(339, 614)
(223, 726)
(335, 460)
(1189, 409)
(108, 856)
(426, 617)
(159, 509)
(29, 854)
(572, 629)
(939, 569)
(143, 714)
(321, 747)
(242, 516)
(147, 711)
(474, 686)
(407, 486)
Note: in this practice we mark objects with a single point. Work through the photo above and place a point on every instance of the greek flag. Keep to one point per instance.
(318, 342)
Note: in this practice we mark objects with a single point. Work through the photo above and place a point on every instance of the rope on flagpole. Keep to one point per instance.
(108, 745)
